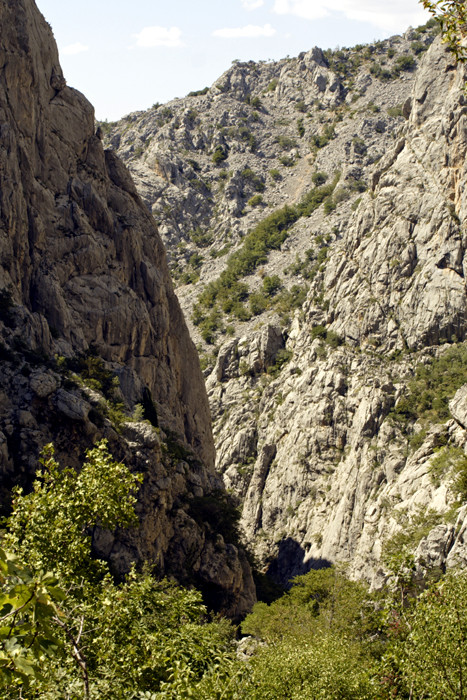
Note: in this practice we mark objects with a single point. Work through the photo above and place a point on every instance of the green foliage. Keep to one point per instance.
(255, 201)
(197, 93)
(227, 293)
(321, 140)
(418, 47)
(275, 174)
(318, 178)
(451, 461)
(220, 154)
(326, 335)
(432, 659)
(271, 285)
(76, 633)
(432, 387)
(452, 15)
(413, 528)
(395, 111)
(272, 85)
(287, 161)
(285, 142)
(217, 510)
(202, 238)
(253, 179)
(307, 668)
(282, 357)
(28, 604)
(405, 63)
(49, 528)
(313, 634)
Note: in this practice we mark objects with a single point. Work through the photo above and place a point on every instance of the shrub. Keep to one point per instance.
(255, 201)
(405, 63)
(272, 85)
(287, 161)
(255, 181)
(271, 285)
(275, 174)
(220, 154)
(197, 93)
(432, 387)
(285, 142)
(319, 178)
(418, 47)
(321, 140)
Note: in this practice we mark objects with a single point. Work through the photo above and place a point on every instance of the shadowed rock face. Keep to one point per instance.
(82, 266)
(78, 249)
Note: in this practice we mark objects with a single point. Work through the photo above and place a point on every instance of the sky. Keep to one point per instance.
(126, 55)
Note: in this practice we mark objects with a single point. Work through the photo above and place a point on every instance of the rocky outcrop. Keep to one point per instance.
(90, 323)
(307, 404)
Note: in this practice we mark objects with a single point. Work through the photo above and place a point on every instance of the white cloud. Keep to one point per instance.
(73, 49)
(393, 15)
(250, 32)
(159, 36)
(252, 4)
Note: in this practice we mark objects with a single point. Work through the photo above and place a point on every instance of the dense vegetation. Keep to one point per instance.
(70, 631)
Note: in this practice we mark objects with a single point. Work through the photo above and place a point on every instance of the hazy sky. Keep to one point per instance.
(126, 55)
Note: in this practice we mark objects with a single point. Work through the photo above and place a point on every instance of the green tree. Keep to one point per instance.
(453, 17)
(431, 655)
(75, 632)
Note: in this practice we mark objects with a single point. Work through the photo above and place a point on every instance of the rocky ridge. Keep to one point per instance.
(92, 332)
(311, 402)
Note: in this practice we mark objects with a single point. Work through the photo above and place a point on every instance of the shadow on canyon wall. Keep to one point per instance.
(290, 562)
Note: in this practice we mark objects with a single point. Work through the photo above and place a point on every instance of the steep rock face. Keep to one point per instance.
(83, 275)
(325, 471)
(308, 407)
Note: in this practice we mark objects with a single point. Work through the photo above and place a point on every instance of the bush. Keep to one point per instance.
(321, 140)
(197, 93)
(319, 178)
(433, 658)
(220, 154)
(275, 174)
(255, 201)
(253, 179)
(432, 387)
(271, 285)
(285, 142)
(287, 161)
(405, 63)
(272, 85)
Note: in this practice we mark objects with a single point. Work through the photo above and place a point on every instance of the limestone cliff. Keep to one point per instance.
(338, 330)
(90, 323)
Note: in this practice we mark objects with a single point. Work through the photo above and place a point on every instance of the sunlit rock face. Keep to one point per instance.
(303, 399)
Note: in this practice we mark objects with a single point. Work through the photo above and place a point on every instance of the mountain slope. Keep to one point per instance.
(347, 315)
